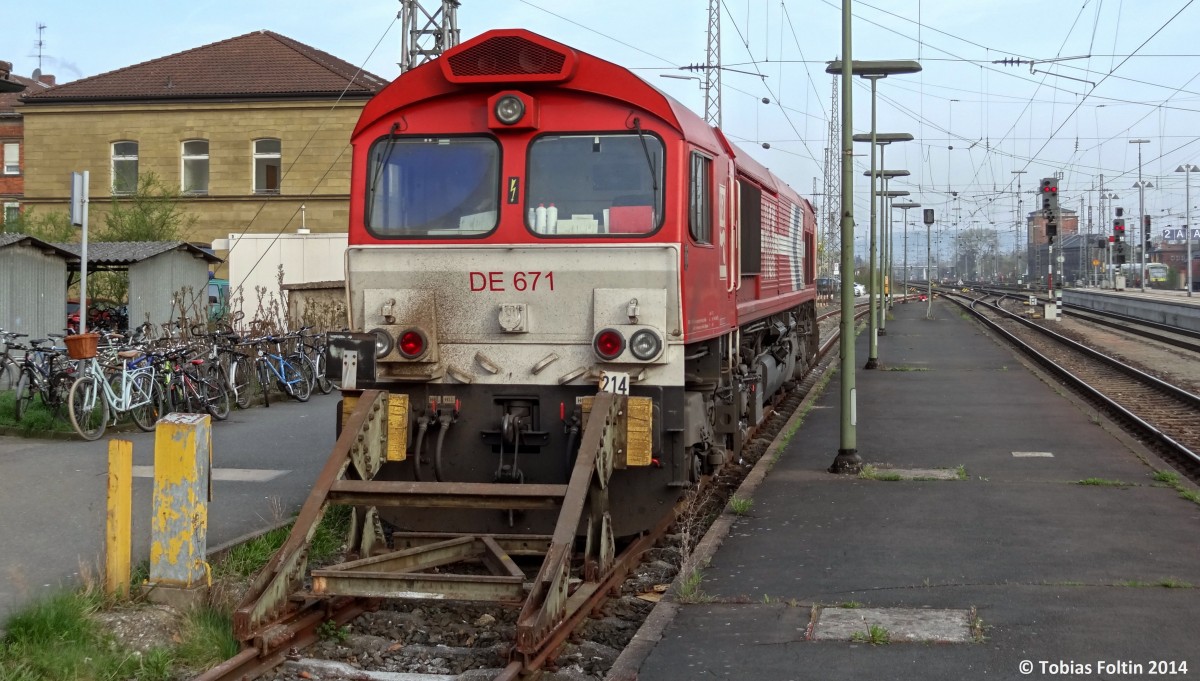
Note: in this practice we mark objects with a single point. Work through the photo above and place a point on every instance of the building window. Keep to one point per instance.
(266, 166)
(124, 167)
(195, 167)
(12, 158)
(12, 212)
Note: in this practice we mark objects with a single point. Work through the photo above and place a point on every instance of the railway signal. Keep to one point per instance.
(1049, 194)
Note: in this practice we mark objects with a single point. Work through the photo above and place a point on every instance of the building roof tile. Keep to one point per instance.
(10, 96)
(254, 65)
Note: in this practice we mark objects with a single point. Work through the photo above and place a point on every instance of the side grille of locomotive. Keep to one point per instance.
(508, 58)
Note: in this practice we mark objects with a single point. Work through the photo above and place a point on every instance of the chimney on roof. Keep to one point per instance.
(46, 79)
(5, 69)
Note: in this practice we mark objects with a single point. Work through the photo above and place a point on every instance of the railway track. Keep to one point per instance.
(1184, 339)
(290, 605)
(1158, 412)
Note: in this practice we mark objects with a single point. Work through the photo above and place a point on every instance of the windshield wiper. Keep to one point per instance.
(637, 125)
(387, 154)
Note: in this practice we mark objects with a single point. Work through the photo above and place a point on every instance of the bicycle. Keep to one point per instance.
(131, 389)
(45, 372)
(315, 351)
(292, 373)
(230, 365)
(190, 389)
(10, 369)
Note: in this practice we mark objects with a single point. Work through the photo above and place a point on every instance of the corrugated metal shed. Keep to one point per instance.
(33, 285)
(157, 271)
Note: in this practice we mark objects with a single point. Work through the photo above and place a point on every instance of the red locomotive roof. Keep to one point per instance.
(519, 57)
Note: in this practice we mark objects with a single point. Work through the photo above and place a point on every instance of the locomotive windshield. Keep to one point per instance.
(595, 184)
(433, 187)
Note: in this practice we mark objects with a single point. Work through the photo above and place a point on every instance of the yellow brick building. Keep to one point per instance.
(247, 129)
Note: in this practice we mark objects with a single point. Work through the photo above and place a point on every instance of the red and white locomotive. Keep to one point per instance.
(529, 223)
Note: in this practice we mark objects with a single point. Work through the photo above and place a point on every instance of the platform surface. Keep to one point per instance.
(1052, 578)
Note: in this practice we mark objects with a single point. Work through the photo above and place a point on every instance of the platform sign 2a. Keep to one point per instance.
(1176, 233)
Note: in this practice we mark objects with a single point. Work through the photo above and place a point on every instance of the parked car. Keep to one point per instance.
(859, 290)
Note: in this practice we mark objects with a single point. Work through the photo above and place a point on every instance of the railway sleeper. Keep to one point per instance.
(423, 566)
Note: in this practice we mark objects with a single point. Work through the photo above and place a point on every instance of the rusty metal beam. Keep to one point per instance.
(513, 544)
(484, 588)
(547, 603)
(267, 600)
(482, 495)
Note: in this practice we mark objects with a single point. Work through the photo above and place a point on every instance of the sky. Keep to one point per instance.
(1105, 72)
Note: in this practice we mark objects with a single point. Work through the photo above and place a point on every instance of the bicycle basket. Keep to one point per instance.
(82, 345)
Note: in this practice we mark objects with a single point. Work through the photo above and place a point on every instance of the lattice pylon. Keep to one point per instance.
(425, 36)
(831, 208)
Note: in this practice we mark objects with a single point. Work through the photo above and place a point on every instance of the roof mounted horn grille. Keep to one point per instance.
(508, 57)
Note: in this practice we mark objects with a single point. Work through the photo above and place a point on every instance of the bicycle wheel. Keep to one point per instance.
(9, 373)
(55, 395)
(241, 380)
(25, 392)
(308, 374)
(263, 384)
(145, 388)
(216, 398)
(297, 374)
(88, 408)
(324, 385)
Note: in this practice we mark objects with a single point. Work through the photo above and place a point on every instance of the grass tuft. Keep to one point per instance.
(206, 638)
(689, 590)
(740, 505)
(1102, 482)
(875, 635)
(870, 472)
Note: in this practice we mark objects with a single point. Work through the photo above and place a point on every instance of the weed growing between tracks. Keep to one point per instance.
(84, 634)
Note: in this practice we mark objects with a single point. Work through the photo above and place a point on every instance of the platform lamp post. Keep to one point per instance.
(873, 71)
(1187, 169)
(905, 205)
(847, 460)
(1141, 185)
(1111, 196)
(885, 259)
(881, 140)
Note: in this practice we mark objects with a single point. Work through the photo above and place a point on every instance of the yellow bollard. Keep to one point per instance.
(182, 489)
(119, 522)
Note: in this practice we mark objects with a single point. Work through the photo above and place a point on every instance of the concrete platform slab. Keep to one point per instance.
(900, 625)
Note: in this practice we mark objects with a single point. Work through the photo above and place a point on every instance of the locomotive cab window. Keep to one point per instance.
(700, 199)
(589, 185)
(433, 187)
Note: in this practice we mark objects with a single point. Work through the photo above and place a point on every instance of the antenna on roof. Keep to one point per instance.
(40, 44)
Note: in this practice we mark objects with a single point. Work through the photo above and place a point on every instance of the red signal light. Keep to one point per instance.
(609, 344)
(412, 343)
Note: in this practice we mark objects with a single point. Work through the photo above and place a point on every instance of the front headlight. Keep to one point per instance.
(383, 343)
(510, 109)
(645, 344)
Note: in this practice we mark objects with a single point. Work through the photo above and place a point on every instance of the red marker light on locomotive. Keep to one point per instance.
(609, 344)
(411, 344)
